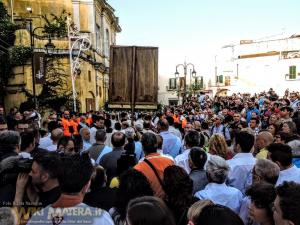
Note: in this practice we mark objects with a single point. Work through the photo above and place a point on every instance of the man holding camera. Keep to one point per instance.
(43, 189)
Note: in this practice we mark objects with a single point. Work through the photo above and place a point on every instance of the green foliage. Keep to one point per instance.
(55, 93)
(57, 25)
(7, 39)
(7, 28)
(19, 55)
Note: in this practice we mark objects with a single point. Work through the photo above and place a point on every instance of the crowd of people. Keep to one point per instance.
(210, 161)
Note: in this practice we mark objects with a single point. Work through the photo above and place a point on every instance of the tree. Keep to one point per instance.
(55, 92)
(57, 25)
(7, 39)
(7, 28)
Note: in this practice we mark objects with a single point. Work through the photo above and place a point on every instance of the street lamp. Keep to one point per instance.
(49, 47)
(193, 74)
(81, 43)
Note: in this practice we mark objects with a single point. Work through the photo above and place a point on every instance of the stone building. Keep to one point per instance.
(92, 19)
(257, 65)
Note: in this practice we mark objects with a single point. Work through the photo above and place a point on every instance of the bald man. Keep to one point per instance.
(263, 139)
(197, 126)
(171, 143)
(56, 134)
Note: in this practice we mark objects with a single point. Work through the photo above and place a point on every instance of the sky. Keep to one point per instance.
(195, 30)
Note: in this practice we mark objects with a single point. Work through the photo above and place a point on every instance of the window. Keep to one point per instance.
(90, 76)
(98, 38)
(107, 43)
(227, 81)
(220, 79)
(292, 73)
(198, 83)
(172, 83)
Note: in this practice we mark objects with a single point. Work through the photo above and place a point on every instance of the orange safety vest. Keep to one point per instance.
(89, 121)
(66, 123)
(75, 127)
(176, 119)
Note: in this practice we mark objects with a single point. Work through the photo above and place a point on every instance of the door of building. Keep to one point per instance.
(90, 104)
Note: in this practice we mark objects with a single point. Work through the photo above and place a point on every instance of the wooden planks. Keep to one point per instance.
(133, 75)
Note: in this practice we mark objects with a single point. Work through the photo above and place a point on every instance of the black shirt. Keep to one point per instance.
(49, 197)
(103, 198)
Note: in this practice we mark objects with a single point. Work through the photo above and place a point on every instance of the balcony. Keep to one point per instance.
(168, 88)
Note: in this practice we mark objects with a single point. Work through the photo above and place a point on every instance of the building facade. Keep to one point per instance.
(254, 66)
(92, 19)
(167, 94)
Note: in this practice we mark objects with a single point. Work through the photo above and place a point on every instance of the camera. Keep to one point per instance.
(15, 165)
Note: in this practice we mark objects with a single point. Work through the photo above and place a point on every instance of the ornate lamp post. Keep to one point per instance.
(80, 44)
(177, 75)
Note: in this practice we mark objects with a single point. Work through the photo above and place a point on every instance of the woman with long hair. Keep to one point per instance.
(217, 146)
(178, 188)
(133, 184)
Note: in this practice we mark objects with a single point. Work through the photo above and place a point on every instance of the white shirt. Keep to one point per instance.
(25, 155)
(182, 160)
(45, 141)
(72, 215)
(108, 140)
(93, 131)
(52, 148)
(241, 166)
(208, 158)
(290, 174)
(223, 195)
(86, 145)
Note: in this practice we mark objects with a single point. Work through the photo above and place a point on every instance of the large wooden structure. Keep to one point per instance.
(133, 77)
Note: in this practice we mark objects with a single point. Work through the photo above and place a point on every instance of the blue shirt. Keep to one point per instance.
(78, 214)
(296, 162)
(105, 150)
(171, 144)
(86, 145)
(249, 113)
(138, 150)
(290, 174)
(241, 166)
(220, 130)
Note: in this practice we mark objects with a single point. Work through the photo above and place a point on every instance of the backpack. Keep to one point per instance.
(223, 131)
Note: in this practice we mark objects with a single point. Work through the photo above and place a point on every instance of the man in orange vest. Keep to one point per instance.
(65, 121)
(74, 124)
(176, 117)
